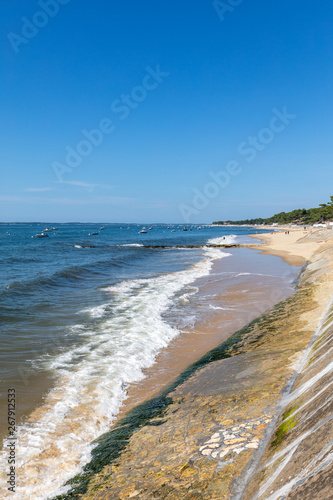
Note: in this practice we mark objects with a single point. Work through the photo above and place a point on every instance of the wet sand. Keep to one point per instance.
(237, 302)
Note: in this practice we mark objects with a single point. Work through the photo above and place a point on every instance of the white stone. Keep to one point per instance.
(213, 440)
(224, 453)
(229, 436)
(214, 454)
(206, 452)
(251, 445)
(239, 450)
(214, 445)
(134, 494)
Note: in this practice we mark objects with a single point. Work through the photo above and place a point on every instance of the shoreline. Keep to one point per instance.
(208, 333)
(279, 244)
(296, 247)
(157, 450)
(191, 346)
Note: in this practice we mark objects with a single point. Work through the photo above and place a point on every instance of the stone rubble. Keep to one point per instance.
(234, 440)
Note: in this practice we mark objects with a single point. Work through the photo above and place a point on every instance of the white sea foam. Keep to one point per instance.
(218, 307)
(95, 312)
(185, 298)
(92, 380)
(132, 245)
(223, 240)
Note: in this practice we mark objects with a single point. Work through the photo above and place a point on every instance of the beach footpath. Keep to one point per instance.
(251, 419)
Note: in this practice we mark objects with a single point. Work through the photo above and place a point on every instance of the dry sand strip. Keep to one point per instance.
(225, 429)
(295, 246)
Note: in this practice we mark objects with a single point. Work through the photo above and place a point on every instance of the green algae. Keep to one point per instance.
(109, 447)
(283, 429)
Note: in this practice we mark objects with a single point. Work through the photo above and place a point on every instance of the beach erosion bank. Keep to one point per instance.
(250, 419)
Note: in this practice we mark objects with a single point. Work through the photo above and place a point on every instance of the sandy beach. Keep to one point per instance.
(209, 405)
(295, 246)
(226, 417)
(231, 310)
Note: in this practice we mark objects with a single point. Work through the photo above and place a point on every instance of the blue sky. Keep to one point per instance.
(177, 91)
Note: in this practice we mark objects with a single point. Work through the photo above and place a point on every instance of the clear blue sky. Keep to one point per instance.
(220, 75)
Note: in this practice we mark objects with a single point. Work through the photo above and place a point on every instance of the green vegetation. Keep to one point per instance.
(300, 216)
(283, 429)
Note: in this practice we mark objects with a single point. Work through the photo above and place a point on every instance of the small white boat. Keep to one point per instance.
(42, 235)
(101, 228)
(143, 231)
(150, 228)
(184, 228)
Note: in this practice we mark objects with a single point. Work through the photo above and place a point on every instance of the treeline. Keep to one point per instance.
(300, 216)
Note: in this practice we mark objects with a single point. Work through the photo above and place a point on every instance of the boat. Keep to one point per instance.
(92, 234)
(101, 228)
(42, 235)
(150, 228)
(143, 230)
(54, 229)
(184, 228)
(173, 231)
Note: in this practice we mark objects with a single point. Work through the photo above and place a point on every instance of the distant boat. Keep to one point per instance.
(143, 230)
(150, 228)
(101, 228)
(42, 235)
(92, 234)
(184, 228)
(173, 231)
(54, 229)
